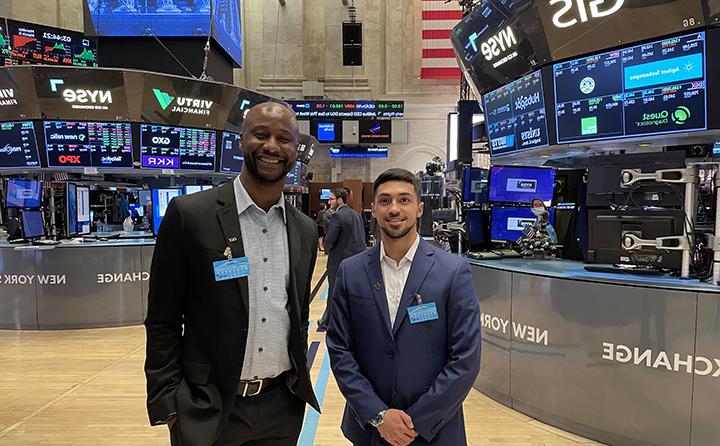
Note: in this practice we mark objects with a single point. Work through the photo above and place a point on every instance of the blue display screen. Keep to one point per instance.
(171, 18)
(521, 184)
(657, 87)
(515, 116)
(24, 193)
(507, 223)
(160, 201)
(326, 131)
(231, 153)
(324, 194)
(33, 225)
(475, 187)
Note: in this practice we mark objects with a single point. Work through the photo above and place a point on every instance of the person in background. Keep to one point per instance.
(229, 300)
(320, 221)
(404, 336)
(543, 218)
(345, 237)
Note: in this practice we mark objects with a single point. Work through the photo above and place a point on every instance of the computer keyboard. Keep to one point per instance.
(45, 242)
(493, 255)
(640, 270)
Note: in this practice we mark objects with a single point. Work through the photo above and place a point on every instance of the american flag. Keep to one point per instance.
(438, 57)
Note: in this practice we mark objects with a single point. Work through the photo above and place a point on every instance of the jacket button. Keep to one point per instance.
(389, 354)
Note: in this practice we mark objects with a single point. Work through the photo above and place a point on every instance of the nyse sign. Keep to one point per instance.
(567, 16)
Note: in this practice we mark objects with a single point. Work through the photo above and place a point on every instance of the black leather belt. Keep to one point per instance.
(257, 386)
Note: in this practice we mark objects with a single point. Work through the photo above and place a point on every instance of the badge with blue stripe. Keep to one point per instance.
(231, 269)
(423, 313)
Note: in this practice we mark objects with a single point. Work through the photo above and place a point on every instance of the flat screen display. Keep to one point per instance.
(348, 109)
(515, 116)
(496, 43)
(170, 18)
(23, 193)
(33, 224)
(358, 152)
(294, 177)
(327, 131)
(521, 184)
(160, 201)
(89, 144)
(83, 210)
(576, 27)
(655, 88)
(191, 189)
(37, 44)
(180, 148)
(5, 49)
(71, 209)
(475, 185)
(231, 153)
(324, 194)
(375, 131)
(18, 145)
(507, 223)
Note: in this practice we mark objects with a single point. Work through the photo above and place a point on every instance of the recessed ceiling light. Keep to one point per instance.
(544, 156)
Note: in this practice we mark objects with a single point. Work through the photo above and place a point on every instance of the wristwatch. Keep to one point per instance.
(378, 419)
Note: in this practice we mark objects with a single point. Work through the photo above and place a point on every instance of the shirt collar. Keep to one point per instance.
(244, 201)
(409, 255)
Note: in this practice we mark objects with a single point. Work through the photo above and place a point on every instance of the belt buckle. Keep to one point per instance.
(247, 384)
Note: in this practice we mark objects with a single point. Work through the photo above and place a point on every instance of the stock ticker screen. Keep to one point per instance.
(36, 44)
(658, 87)
(515, 116)
(183, 148)
(18, 145)
(5, 51)
(89, 144)
(231, 154)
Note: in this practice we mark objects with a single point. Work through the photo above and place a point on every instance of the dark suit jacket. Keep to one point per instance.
(344, 237)
(426, 369)
(195, 371)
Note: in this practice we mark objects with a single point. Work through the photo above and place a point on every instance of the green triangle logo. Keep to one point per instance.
(163, 98)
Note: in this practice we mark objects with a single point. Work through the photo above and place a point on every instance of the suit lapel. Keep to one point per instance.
(296, 254)
(230, 224)
(375, 279)
(421, 265)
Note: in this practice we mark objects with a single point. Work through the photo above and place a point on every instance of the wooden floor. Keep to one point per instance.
(86, 387)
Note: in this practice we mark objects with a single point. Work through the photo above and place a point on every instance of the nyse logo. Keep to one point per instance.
(498, 44)
(162, 140)
(597, 8)
(521, 185)
(524, 102)
(69, 159)
(83, 96)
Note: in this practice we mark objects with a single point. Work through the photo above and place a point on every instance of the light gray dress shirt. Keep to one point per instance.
(395, 275)
(265, 240)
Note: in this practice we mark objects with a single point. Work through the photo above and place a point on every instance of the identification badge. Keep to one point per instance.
(231, 269)
(423, 313)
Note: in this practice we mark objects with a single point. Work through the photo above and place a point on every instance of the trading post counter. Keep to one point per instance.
(622, 359)
(74, 284)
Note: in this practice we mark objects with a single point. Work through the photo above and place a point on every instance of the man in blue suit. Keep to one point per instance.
(404, 335)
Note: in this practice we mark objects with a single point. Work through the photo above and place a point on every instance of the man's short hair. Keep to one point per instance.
(397, 174)
(341, 194)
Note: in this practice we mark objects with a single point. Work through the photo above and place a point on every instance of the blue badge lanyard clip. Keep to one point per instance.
(228, 253)
(418, 299)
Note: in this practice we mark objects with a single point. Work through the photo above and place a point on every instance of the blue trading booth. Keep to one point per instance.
(611, 332)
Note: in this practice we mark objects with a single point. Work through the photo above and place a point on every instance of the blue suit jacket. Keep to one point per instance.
(425, 369)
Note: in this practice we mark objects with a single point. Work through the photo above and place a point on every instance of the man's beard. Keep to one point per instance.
(254, 171)
(397, 233)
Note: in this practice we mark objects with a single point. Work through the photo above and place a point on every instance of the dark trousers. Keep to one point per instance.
(325, 319)
(273, 418)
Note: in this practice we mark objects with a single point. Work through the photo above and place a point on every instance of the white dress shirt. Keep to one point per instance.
(264, 236)
(395, 274)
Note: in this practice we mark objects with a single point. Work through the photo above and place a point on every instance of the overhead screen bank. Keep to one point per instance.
(102, 121)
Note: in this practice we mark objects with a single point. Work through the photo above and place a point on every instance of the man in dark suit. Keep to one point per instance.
(229, 302)
(345, 237)
(404, 337)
